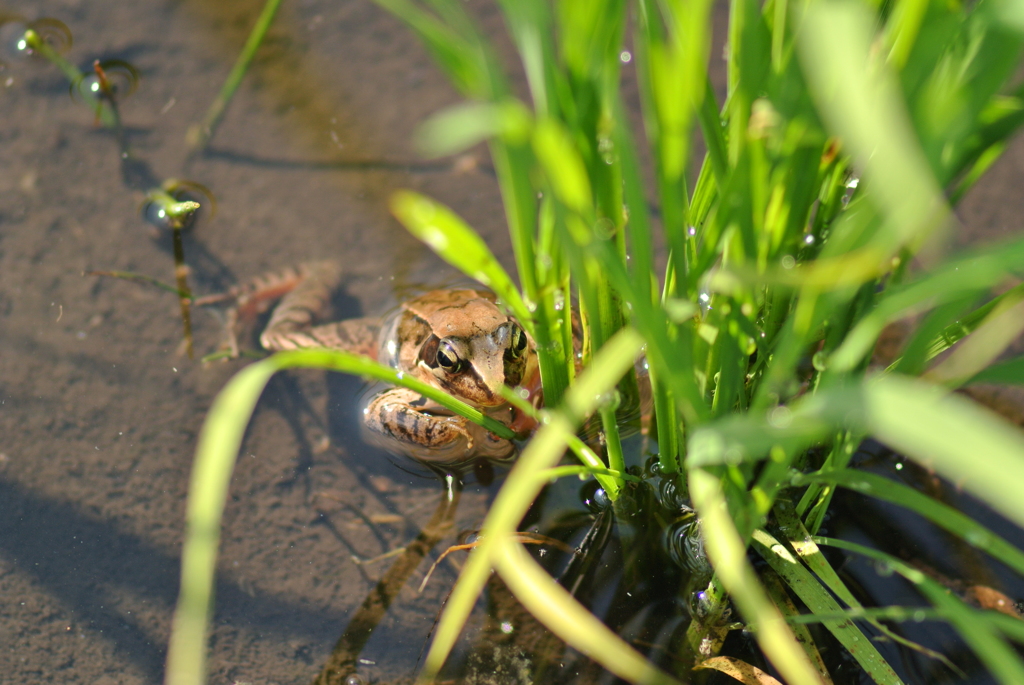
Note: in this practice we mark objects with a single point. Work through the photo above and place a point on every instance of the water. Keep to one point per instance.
(99, 410)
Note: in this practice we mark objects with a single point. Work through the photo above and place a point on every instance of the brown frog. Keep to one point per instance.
(457, 340)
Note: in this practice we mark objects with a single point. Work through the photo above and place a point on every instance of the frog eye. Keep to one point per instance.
(428, 352)
(516, 342)
(447, 358)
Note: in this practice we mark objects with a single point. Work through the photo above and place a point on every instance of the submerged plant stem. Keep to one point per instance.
(199, 134)
(185, 294)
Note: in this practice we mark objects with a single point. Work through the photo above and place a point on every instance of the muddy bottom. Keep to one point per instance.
(99, 404)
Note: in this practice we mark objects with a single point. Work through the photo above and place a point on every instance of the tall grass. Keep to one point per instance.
(821, 213)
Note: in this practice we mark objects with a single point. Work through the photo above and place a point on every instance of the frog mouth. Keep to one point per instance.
(488, 390)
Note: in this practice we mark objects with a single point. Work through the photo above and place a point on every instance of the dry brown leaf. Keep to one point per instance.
(740, 670)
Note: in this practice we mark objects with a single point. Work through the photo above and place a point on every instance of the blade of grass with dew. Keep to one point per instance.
(219, 442)
(974, 626)
(966, 324)
(979, 349)
(913, 359)
(975, 272)
(671, 47)
(738, 438)
(459, 245)
(600, 307)
(946, 432)
(802, 543)
(942, 515)
(811, 592)
(653, 323)
(606, 477)
(562, 614)
(860, 98)
(522, 486)
(727, 553)
(641, 269)
(776, 589)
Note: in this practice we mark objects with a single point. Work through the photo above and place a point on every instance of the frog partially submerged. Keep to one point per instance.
(457, 340)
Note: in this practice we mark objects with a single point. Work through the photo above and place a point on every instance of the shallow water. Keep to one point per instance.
(99, 409)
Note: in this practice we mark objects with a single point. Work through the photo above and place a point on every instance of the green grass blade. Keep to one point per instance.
(809, 552)
(461, 126)
(455, 242)
(563, 166)
(738, 438)
(965, 325)
(590, 33)
(902, 29)
(1010, 372)
(560, 612)
(980, 348)
(818, 600)
(216, 453)
(522, 486)
(949, 433)
(957, 278)
(219, 442)
(780, 597)
(639, 224)
(727, 553)
(976, 628)
(529, 22)
(942, 515)
(199, 135)
(925, 422)
(860, 99)
(462, 56)
(714, 136)
(914, 357)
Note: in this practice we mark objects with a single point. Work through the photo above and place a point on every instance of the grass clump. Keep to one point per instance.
(821, 213)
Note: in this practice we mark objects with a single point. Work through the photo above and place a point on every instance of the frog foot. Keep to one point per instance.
(401, 420)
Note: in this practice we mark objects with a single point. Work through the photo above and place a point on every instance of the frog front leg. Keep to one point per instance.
(402, 420)
(305, 294)
(307, 298)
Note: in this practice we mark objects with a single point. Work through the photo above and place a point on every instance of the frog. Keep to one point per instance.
(458, 340)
